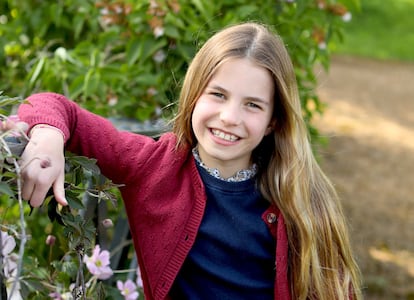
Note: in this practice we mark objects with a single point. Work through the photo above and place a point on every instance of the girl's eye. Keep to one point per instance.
(253, 105)
(218, 95)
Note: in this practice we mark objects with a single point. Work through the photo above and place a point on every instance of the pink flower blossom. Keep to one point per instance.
(107, 223)
(55, 296)
(128, 289)
(59, 296)
(13, 124)
(98, 263)
(9, 259)
(7, 243)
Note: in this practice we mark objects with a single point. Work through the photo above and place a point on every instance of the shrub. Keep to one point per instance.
(127, 58)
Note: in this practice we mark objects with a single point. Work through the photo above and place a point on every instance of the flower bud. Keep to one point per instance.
(107, 223)
(50, 240)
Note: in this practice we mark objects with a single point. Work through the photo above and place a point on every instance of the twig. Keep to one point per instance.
(79, 292)
(23, 236)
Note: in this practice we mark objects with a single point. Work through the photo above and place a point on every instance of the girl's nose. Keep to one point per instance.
(230, 113)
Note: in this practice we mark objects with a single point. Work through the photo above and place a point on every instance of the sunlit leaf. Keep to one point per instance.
(38, 69)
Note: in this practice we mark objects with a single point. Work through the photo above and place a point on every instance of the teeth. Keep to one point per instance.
(224, 136)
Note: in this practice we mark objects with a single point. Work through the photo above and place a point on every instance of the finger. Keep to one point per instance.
(39, 192)
(27, 188)
(59, 189)
(37, 180)
(28, 182)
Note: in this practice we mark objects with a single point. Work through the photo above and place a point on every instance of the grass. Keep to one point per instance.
(382, 30)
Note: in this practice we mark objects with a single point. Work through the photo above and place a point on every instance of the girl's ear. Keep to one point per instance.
(271, 127)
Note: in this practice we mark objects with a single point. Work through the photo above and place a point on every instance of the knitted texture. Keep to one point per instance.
(162, 190)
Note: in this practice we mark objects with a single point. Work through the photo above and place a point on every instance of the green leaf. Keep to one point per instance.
(246, 10)
(175, 20)
(148, 79)
(87, 163)
(78, 22)
(90, 85)
(203, 8)
(37, 70)
(76, 87)
(134, 50)
(5, 101)
(5, 189)
(73, 200)
(150, 47)
(172, 32)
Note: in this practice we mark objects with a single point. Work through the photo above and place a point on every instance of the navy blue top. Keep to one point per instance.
(233, 254)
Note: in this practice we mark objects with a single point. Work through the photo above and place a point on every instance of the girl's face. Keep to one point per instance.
(233, 114)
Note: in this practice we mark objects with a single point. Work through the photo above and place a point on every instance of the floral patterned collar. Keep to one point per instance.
(239, 176)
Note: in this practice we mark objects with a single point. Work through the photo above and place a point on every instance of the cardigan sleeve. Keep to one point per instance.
(118, 153)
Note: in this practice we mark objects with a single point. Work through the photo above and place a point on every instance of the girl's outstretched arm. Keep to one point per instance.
(43, 165)
(120, 155)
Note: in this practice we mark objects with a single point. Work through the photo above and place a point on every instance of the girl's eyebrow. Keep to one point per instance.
(251, 98)
(217, 87)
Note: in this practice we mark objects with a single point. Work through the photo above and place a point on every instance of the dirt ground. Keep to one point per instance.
(369, 120)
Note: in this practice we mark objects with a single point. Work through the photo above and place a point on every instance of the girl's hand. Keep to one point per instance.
(43, 166)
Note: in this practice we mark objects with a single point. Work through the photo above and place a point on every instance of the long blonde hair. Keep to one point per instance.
(321, 265)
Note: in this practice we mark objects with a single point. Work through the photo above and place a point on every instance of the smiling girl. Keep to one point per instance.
(231, 204)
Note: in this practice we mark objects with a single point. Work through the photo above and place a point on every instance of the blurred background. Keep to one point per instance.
(369, 122)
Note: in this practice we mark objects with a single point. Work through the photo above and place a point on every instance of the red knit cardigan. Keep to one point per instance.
(163, 193)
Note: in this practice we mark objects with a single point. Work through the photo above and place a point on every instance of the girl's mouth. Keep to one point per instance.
(225, 136)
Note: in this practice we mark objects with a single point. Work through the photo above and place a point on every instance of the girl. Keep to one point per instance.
(231, 204)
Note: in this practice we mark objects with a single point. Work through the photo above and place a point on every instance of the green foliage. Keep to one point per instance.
(52, 264)
(381, 31)
(128, 57)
